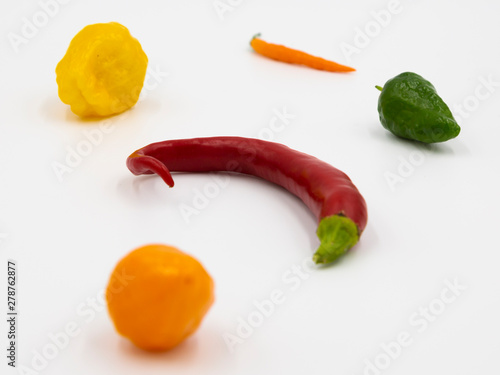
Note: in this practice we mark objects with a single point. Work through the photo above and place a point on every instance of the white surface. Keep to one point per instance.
(439, 224)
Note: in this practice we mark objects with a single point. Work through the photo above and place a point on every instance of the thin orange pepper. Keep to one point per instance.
(293, 56)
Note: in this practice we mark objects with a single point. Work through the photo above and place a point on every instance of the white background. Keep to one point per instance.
(437, 225)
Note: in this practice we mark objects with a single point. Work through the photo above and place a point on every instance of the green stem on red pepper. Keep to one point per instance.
(329, 193)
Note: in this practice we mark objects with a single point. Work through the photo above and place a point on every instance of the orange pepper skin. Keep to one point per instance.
(292, 56)
(158, 295)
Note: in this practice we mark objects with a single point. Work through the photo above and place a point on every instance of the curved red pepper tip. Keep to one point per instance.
(138, 163)
(328, 192)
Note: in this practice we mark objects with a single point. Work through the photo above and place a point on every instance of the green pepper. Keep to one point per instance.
(410, 107)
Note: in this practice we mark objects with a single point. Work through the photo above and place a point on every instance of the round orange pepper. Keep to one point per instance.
(157, 296)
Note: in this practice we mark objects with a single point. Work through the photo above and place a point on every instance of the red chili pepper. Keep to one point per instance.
(326, 191)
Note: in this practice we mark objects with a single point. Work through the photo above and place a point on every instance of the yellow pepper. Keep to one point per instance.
(102, 72)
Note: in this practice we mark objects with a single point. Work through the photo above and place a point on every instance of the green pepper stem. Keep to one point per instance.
(379, 88)
(337, 234)
(255, 36)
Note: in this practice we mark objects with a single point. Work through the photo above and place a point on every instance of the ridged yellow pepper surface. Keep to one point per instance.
(102, 72)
